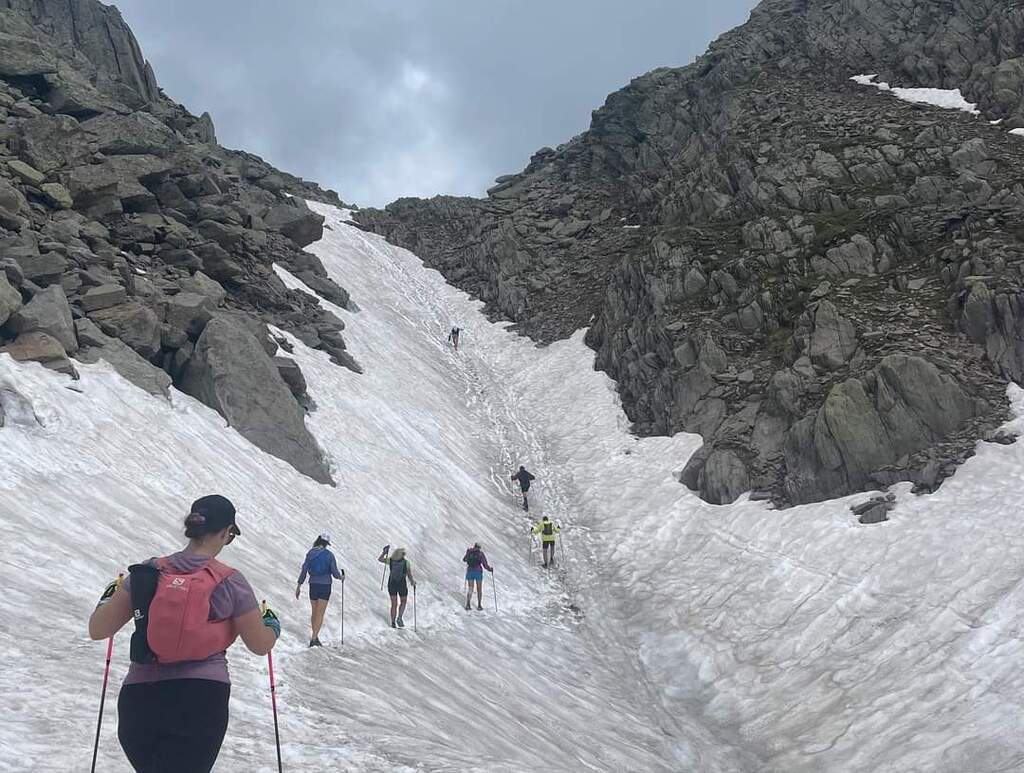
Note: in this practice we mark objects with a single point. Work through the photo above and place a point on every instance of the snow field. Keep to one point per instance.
(679, 636)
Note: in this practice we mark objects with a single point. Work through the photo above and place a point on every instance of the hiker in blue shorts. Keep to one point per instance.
(321, 566)
(476, 562)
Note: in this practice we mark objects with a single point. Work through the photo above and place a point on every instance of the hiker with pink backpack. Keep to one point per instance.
(188, 608)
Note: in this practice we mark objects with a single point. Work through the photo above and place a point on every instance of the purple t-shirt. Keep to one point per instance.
(232, 598)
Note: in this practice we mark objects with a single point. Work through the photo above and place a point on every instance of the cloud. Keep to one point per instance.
(394, 98)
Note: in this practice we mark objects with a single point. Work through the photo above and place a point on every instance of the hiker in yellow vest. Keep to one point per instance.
(547, 530)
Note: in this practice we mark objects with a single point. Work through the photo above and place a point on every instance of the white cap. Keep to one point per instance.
(326, 537)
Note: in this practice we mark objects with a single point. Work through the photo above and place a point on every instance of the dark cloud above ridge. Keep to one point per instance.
(389, 98)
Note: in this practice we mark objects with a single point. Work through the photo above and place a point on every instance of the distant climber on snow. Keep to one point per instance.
(453, 336)
(400, 571)
(173, 706)
(524, 478)
(475, 562)
(321, 566)
(547, 531)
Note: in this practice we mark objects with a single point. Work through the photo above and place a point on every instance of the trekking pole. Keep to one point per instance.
(384, 571)
(342, 610)
(103, 700)
(494, 587)
(273, 703)
(103, 695)
(414, 609)
(561, 546)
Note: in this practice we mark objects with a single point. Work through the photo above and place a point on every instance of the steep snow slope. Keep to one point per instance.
(680, 636)
(98, 475)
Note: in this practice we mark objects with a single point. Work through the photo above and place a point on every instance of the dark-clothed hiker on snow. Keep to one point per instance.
(475, 562)
(399, 579)
(322, 567)
(453, 337)
(189, 608)
(547, 531)
(524, 477)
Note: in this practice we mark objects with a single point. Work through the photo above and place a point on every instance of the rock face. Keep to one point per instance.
(97, 346)
(47, 312)
(770, 255)
(122, 221)
(43, 348)
(231, 373)
(10, 299)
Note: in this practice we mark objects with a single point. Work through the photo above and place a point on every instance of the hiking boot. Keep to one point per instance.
(393, 624)
(400, 623)
(468, 606)
(479, 608)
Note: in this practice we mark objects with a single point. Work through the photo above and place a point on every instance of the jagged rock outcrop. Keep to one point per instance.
(755, 240)
(230, 372)
(125, 229)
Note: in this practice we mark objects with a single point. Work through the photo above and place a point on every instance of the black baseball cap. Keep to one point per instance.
(217, 511)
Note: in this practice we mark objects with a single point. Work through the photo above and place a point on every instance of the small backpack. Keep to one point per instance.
(549, 528)
(473, 558)
(320, 564)
(172, 613)
(397, 569)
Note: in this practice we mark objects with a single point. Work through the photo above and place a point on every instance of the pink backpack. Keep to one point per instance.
(179, 615)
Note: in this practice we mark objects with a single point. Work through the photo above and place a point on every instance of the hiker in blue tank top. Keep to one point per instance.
(475, 562)
(321, 566)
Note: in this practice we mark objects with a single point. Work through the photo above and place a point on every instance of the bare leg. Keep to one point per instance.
(394, 608)
(401, 608)
(479, 594)
(469, 593)
(319, 608)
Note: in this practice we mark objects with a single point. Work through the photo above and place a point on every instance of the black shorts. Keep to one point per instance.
(548, 544)
(398, 588)
(319, 591)
(173, 726)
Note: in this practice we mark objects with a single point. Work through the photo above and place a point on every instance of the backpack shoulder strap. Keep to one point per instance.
(219, 571)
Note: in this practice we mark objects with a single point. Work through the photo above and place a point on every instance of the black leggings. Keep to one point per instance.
(176, 726)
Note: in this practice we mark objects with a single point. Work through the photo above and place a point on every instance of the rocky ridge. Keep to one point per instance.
(823, 281)
(127, 234)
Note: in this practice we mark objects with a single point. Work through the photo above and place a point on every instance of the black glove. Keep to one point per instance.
(110, 590)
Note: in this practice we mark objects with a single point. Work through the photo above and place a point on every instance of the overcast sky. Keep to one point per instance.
(386, 98)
